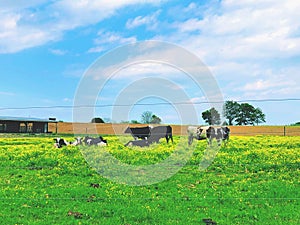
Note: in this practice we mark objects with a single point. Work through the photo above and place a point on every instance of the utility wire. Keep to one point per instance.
(144, 104)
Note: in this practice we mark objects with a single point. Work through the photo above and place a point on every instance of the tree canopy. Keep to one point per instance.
(212, 116)
(149, 118)
(243, 114)
(97, 120)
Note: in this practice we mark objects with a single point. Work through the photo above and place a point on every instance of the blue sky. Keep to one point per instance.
(252, 49)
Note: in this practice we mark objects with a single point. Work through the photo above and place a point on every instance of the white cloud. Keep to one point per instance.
(150, 21)
(271, 85)
(7, 93)
(243, 30)
(58, 51)
(22, 25)
(107, 40)
(96, 49)
(242, 41)
(67, 100)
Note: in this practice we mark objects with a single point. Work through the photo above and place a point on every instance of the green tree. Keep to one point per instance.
(212, 116)
(260, 117)
(249, 115)
(97, 120)
(231, 111)
(134, 121)
(155, 120)
(149, 117)
(146, 117)
(243, 114)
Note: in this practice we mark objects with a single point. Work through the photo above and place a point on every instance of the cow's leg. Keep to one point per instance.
(190, 139)
(171, 137)
(209, 141)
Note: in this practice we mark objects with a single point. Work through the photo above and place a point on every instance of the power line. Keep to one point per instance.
(144, 104)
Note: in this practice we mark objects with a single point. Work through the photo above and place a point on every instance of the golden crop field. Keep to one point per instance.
(111, 129)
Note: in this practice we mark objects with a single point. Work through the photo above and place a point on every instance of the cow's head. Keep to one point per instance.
(56, 140)
(198, 133)
(226, 130)
(127, 131)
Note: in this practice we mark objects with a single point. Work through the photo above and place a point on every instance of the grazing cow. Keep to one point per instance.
(160, 132)
(209, 133)
(197, 133)
(138, 132)
(226, 132)
(218, 133)
(99, 141)
(140, 143)
(60, 142)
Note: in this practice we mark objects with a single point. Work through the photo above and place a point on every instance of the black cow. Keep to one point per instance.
(138, 132)
(140, 143)
(60, 142)
(218, 133)
(99, 141)
(160, 132)
(155, 135)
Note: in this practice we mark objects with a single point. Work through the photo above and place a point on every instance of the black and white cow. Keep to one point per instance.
(209, 133)
(78, 141)
(159, 132)
(218, 133)
(60, 142)
(99, 141)
(138, 132)
(198, 133)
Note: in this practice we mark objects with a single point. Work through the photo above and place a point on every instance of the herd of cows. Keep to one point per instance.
(145, 136)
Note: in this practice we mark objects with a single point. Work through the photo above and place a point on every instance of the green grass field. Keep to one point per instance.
(253, 180)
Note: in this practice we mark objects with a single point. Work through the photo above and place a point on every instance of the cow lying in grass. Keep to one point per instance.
(99, 141)
(78, 141)
(139, 143)
(60, 142)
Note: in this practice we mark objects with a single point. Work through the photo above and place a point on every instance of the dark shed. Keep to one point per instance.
(10, 124)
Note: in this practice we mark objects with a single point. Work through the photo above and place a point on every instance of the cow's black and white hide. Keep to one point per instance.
(78, 141)
(140, 143)
(226, 132)
(99, 141)
(218, 133)
(159, 132)
(198, 133)
(138, 132)
(60, 142)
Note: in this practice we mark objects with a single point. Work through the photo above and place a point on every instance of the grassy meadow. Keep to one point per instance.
(252, 180)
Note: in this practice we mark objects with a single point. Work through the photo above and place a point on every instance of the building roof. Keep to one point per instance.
(26, 119)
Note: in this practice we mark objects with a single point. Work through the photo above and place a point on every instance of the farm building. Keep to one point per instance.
(24, 125)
